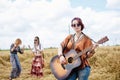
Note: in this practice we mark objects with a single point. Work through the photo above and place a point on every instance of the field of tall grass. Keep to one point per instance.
(105, 64)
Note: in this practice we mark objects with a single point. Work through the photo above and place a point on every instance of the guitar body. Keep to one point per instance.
(61, 71)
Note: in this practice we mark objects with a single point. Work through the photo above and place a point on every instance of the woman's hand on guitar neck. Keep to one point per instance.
(62, 60)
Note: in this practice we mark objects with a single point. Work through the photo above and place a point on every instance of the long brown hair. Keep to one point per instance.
(37, 39)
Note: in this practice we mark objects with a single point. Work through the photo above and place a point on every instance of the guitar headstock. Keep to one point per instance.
(103, 40)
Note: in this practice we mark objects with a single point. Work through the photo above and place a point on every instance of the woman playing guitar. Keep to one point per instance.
(79, 41)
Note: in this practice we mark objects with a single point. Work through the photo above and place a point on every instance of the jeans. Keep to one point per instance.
(81, 74)
(16, 67)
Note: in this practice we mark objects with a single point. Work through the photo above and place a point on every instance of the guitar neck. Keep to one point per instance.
(92, 47)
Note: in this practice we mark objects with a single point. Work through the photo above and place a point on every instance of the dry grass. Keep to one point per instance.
(105, 64)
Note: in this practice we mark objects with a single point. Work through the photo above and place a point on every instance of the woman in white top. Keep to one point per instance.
(38, 62)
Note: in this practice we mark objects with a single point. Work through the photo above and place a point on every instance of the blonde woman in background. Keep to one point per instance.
(16, 67)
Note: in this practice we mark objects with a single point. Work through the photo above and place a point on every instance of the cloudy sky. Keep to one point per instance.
(50, 20)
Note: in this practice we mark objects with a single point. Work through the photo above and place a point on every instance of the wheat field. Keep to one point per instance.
(105, 64)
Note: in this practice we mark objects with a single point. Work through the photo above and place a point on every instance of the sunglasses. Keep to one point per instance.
(75, 25)
(35, 40)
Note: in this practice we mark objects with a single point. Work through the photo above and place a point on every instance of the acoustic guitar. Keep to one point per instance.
(62, 71)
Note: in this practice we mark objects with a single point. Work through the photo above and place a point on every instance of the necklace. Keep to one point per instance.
(77, 36)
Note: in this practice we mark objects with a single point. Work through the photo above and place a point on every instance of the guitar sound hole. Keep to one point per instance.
(70, 60)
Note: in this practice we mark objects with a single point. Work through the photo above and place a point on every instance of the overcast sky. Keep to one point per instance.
(50, 20)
